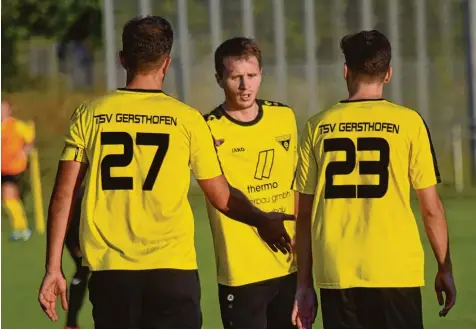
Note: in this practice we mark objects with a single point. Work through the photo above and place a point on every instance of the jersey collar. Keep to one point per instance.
(361, 100)
(244, 123)
(138, 90)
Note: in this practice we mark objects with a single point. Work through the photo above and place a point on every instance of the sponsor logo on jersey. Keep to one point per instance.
(284, 141)
(239, 149)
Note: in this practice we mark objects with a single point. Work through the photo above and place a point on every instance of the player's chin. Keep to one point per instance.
(246, 104)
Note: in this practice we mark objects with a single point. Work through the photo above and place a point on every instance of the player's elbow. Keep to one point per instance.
(219, 203)
(217, 192)
(433, 211)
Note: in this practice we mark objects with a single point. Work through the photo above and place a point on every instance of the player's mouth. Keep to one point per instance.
(245, 97)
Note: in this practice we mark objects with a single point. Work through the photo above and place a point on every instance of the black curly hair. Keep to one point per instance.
(367, 53)
(146, 42)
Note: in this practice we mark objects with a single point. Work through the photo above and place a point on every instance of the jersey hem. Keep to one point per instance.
(241, 283)
(369, 285)
(137, 267)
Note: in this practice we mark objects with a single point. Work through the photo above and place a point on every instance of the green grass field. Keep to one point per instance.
(23, 265)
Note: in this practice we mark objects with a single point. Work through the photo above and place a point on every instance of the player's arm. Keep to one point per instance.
(68, 180)
(436, 228)
(71, 171)
(303, 240)
(424, 175)
(235, 205)
(305, 182)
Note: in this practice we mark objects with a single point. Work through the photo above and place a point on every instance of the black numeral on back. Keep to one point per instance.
(379, 167)
(161, 140)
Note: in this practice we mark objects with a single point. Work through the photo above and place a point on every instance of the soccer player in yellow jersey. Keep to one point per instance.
(355, 226)
(256, 143)
(135, 148)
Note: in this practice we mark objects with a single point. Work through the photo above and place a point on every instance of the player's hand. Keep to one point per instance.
(444, 282)
(53, 286)
(305, 308)
(272, 231)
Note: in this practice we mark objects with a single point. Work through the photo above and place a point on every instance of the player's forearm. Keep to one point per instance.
(304, 240)
(240, 208)
(58, 217)
(68, 180)
(304, 249)
(436, 229)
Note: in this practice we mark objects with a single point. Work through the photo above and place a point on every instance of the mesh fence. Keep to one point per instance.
(303, 64)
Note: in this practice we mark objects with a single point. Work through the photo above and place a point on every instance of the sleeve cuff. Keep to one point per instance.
(74, 153)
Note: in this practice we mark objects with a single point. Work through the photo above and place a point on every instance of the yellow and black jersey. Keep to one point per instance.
(140, 146)
(258, 158)
(359, 159)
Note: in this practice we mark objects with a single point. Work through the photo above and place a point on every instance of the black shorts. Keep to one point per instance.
(261, 305)
(157, 298)
(16, 179)
(372, 308)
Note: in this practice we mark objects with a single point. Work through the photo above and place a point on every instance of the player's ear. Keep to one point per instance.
(346, 71)
(388, 75)
(123, 61)
(166, 65)
(219, 80)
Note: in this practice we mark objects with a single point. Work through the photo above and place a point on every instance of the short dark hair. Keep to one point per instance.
(367, 53)
(146, 42)
(239, 47)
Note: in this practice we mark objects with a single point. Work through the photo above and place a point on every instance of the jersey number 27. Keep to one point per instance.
(108, 182)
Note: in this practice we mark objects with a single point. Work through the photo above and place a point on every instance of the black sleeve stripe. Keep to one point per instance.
(433, 154)
(76, 152)
(216, 150)
(294, 179)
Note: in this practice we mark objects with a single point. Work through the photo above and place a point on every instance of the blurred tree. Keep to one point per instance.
(58, 19)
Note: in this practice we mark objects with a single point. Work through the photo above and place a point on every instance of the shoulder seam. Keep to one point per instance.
(216, 113)
(272, 103)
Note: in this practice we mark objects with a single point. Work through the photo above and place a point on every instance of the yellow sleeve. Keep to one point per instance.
(307, 170)
(74, 148)
(423, 165)
(203, 157)
(26, 131)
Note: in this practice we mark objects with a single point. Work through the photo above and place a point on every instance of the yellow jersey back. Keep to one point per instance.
(358, 159)
(258, 158)
(139, 145)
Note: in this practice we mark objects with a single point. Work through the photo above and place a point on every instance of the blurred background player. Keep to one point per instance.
(79, 282)
(136, 146)
(357, 162)
(256, 143)
(17, 140)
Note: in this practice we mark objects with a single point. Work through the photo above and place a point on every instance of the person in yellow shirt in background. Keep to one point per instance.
(17, 140)
(256, 142)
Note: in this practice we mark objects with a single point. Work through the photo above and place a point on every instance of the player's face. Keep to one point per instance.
(241, 81)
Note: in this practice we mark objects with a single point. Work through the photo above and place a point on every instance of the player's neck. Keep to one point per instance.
(364, 91)
(244, 115)
(147, 81)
